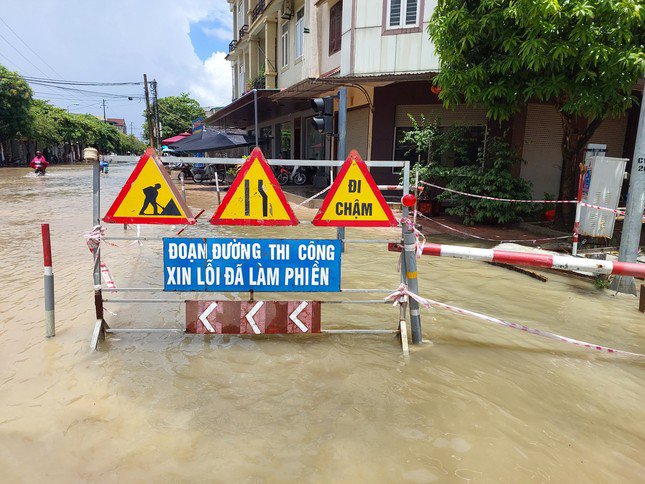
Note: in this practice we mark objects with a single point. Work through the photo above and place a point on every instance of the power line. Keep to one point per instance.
(21, 55)
(25, 44)
(66, 82)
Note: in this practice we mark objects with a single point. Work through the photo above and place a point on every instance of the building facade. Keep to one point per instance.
(286, 52)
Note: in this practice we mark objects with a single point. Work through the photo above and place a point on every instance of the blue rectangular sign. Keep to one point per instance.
(233, 265)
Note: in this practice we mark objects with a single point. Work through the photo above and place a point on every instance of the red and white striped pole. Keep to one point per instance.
(576, 223)
(50, 319)
(551, 261)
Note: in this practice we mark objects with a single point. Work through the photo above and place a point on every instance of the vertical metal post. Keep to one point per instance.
(219, 197)
(410, 258)
(255, 109)
(50, 318)
(183, 189)
(576, 223)
(96, 217)
(633, 223)
(342, 146)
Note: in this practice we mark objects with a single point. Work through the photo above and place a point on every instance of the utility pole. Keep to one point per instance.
(632, 225)
(131, 129)
(148, 112)
(155, 113)
(104, 118)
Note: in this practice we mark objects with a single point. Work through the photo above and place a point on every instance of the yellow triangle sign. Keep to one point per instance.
(354, 200)
(149, 197)
(255, 197)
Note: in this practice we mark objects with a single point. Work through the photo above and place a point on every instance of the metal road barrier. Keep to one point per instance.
(303, 316)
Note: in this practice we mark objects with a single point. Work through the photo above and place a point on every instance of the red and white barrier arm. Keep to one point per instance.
(550, 261)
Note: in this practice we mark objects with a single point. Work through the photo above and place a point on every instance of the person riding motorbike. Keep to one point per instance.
(39, 164)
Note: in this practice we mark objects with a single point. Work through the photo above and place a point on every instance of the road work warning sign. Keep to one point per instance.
(149, 197)
(354, 200)
(255, 197)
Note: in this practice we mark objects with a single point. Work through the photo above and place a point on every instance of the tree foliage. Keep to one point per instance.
(26, 118)
(176, 114)
(582, 55)
(585, 55)
(15, 100)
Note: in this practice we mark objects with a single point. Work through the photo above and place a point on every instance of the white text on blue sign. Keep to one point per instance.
(233, 265)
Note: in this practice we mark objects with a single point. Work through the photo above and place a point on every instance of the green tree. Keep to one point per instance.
(176, 114)
(583, 55)
(15, 100)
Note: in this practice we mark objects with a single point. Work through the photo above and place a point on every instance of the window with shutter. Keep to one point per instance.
(402, 13)
(335, 27)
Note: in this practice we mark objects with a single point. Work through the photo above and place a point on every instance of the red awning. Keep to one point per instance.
(174, 139)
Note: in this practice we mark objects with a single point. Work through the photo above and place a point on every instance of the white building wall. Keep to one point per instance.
(374, 51)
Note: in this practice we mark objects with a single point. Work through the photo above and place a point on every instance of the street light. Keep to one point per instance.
(74, 104)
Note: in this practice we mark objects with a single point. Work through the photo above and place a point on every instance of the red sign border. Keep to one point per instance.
(255, 154)
(354, 157)
(109, 216)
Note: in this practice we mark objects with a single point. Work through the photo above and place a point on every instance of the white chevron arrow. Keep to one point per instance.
(204, 317)
(251, 313)
(294, 316)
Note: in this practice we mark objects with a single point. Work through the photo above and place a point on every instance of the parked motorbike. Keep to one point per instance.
(209, 172)
(297, 175)
(184, 171)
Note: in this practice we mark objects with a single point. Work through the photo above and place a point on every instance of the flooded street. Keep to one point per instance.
(480, 404)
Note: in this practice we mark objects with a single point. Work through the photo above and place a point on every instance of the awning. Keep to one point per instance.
(209, 140)
(315, 86)
(174, 139)
(241, 112)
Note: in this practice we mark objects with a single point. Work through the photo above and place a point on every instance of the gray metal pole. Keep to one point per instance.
(342, 148)
(255, 109)
(633, 223)
(96, 216)
(410, 258)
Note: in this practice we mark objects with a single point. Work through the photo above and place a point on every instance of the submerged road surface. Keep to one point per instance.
(482, 404)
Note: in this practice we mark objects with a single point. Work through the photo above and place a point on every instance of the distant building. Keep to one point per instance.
(118, 123)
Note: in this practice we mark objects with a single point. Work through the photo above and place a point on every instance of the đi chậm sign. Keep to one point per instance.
(268, 265)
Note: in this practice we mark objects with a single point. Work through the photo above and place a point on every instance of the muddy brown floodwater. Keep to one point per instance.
(480, 404)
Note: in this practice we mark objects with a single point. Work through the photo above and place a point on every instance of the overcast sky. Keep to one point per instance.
(180, 43)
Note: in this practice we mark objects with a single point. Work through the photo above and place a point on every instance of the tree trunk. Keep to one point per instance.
(576, 131)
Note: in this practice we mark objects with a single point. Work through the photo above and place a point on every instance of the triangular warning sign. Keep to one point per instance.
(149, 197)
(354, 200)
(255, 197)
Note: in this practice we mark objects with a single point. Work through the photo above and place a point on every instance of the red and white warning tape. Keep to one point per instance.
(402, 292)
(514, 200)
(93, 240)
(491, 240)
(314, 196)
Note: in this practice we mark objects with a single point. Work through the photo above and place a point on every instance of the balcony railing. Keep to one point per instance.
(232, 46)
(257, 10)
(243, 31)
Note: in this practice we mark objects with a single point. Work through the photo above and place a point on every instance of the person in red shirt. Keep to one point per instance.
(39, 163)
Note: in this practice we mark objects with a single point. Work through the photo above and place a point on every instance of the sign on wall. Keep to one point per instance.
(223, 264)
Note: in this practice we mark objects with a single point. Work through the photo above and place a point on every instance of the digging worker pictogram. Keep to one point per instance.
(151, 193)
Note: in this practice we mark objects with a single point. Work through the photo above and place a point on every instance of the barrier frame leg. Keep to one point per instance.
(101, 325)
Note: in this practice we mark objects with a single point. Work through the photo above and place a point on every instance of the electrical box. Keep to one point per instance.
(601, 185)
